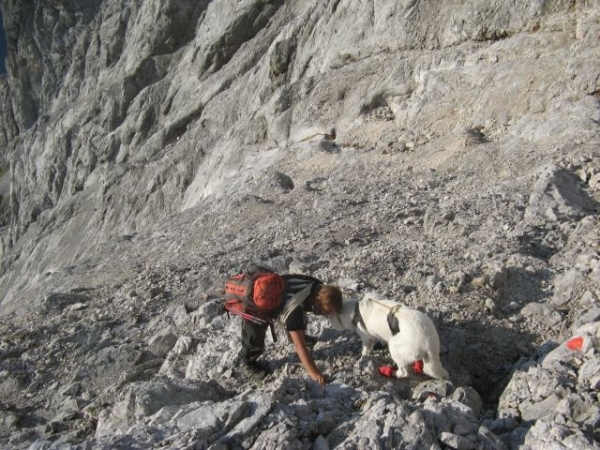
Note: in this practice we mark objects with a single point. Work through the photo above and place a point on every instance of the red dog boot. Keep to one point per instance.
(387, 371)
(418, 367)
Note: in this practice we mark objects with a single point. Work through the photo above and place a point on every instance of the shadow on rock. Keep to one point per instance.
(482, 356)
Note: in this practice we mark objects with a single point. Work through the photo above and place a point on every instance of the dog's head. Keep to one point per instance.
(343, 320)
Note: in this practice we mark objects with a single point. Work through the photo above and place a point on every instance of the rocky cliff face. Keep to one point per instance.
(156, 145)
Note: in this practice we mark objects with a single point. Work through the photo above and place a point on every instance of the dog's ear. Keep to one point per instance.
(392, 321)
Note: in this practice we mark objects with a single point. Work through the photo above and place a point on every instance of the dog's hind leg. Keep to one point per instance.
(404, 358)
(432, 366)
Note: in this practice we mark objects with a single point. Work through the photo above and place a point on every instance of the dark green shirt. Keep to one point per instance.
(295, 283)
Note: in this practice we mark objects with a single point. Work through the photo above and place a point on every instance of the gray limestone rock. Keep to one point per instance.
(142, 400)
(162, 342)
(557, 195)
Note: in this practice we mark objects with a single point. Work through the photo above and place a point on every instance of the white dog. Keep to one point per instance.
(410, 334)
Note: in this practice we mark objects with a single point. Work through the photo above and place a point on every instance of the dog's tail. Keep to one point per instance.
(432, 366)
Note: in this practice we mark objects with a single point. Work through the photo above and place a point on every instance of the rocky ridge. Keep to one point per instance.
(462, 180)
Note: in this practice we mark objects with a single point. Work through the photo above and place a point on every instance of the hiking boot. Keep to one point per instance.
(258, 369)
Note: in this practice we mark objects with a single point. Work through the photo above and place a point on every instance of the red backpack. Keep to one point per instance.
(255, 294)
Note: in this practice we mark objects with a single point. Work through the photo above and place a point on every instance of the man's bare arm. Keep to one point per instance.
(306, 357)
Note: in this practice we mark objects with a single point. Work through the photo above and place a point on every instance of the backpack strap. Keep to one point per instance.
(251, 316)
(294, 302)
(237, 308)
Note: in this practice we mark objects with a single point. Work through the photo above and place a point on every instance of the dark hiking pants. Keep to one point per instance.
(253, 341)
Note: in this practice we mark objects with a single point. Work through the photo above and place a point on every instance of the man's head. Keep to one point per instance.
(328, 300)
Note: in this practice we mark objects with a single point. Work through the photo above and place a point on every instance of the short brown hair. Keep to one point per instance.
(330, 295)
